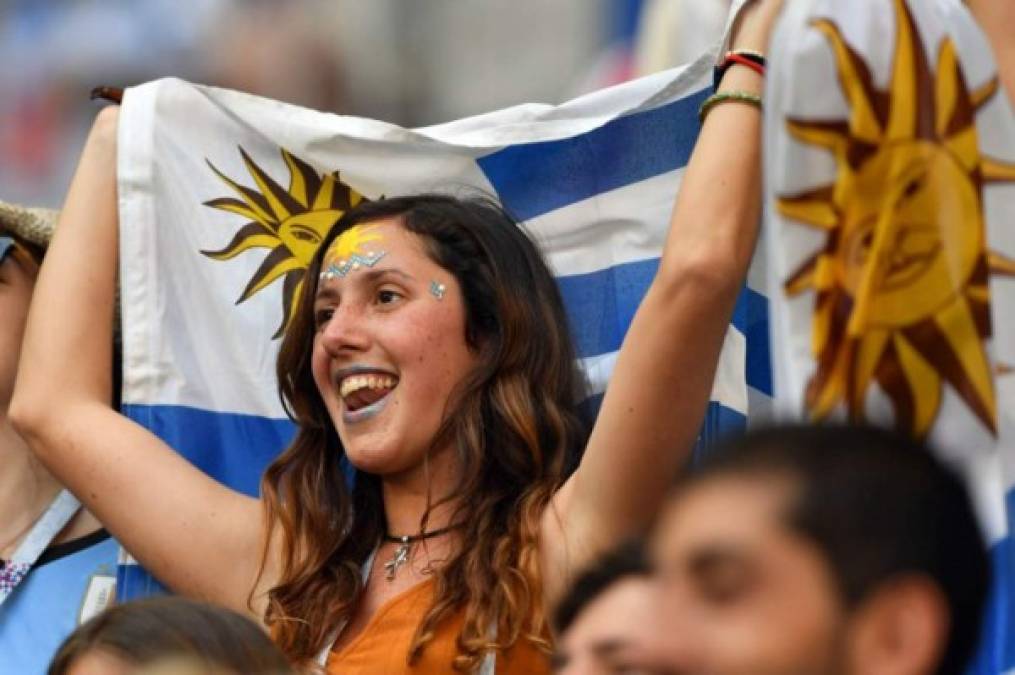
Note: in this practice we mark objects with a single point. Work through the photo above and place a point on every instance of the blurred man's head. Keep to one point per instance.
(602, 622)
(819, 550)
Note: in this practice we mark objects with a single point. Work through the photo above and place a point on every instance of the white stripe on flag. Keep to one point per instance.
(729, 387)
(609, 228)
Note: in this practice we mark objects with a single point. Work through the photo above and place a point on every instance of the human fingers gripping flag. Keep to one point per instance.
(224, 198)
(890, 189)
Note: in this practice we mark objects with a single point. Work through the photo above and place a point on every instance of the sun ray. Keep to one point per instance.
(999, 264)
(291, 289)
(924, 385)
(823, 321)
(303, 180)
(972, 376)
(909, 58)
(251, 235)
(274, 266)
(281, 204)
(814, 207)
(946, 91)
(830, 135)
(964, 147)
(235, 206)
(854, 76)
(981, 95)
(258, 205)
(870, 350)
(828, 387)
(803, 278)
(995, 171)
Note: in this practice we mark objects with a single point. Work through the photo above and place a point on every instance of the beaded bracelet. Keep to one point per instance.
(726, 97)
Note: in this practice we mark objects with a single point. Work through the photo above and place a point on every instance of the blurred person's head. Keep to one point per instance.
(19, 265)
(819, 550)
(602, 620)
(168, 632)
(25, 233)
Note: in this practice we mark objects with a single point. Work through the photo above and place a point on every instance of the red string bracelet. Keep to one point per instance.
(753, 60)
(733, 57)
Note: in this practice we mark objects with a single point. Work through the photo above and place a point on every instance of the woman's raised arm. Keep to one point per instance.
(657, 395)
(196, 535)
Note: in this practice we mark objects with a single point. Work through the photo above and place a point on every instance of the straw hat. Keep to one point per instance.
(33, 225)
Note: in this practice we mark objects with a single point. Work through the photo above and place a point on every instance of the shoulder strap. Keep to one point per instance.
(38, 539)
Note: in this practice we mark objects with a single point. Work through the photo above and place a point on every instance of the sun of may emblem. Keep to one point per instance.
(901, 288)
(290, 223)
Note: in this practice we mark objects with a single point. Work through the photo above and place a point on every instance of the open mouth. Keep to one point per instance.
(362, 391)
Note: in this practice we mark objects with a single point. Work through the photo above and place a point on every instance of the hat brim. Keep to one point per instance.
(32, 224)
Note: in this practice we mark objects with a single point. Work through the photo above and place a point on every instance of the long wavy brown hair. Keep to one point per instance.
(514, 422)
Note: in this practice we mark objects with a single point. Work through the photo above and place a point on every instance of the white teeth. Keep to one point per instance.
(356, 382)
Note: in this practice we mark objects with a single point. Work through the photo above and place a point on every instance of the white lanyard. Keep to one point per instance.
(42, 534)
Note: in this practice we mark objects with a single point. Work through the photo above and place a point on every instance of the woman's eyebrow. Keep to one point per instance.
(374, 274)
(328, 292)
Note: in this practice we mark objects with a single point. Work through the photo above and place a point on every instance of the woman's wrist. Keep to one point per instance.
(740, 78)
(754, 27)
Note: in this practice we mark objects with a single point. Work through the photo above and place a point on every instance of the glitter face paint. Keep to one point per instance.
(348, 253)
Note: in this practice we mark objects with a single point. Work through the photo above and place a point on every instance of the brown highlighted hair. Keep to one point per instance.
(157, 630)
(514, 422)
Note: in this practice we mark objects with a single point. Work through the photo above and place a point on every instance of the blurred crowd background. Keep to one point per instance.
(410, 62)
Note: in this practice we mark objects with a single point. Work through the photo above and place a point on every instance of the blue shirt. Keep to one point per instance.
(69, 583)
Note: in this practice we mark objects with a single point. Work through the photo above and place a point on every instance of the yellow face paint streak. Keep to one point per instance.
(352, 242)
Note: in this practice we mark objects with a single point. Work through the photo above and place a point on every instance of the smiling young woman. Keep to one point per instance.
(431, 352)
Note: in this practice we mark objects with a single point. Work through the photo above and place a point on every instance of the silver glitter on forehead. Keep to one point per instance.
(339, 269)
(437, 290)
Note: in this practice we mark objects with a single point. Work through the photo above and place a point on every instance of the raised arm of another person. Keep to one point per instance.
(657, 396)
(196, 535)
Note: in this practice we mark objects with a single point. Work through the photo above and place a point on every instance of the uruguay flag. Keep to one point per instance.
(224, 197)
(890, 189)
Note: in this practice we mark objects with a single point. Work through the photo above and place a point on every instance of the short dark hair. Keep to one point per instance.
(148, 631)
(877, 504)
(627, 560)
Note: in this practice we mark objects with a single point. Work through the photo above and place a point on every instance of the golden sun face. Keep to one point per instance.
(291, 223)
(902, 298)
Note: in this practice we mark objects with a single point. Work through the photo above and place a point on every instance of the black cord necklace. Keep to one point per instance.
(404, 551)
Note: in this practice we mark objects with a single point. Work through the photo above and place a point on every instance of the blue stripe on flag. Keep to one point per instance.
(601, 304)
(751, 318)
(233, 449)
(134, 582)
(997, 650)
(535, 178)
(719, 423)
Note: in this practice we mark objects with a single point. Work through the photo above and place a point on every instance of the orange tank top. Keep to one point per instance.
(383, 645)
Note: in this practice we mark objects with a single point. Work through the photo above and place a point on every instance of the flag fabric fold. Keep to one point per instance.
(890, 244)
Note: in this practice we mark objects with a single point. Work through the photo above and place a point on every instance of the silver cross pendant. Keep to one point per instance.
(400, 557)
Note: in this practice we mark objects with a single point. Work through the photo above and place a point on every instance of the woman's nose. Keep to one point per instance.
(345, 331)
